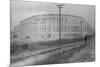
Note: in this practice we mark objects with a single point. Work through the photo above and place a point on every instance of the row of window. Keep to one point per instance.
(52, 28)
(55, 19)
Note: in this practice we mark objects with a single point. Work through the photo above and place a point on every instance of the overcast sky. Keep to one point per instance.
(24, 9)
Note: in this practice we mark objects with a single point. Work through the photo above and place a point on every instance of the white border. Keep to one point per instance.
(5, 30)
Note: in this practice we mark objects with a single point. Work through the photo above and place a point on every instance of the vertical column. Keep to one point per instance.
(81, 28)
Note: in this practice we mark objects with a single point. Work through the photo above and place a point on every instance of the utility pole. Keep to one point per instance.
(60, 6)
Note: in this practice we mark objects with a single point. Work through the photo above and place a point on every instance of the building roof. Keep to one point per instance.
(33, 18)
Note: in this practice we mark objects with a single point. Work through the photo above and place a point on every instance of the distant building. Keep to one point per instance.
(45, 27)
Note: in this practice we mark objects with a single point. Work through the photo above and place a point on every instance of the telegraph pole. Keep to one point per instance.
(60, 6)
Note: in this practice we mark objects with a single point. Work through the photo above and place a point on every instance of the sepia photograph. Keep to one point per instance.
(43, 33)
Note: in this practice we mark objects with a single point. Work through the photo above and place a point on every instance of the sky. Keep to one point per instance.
(21, 10)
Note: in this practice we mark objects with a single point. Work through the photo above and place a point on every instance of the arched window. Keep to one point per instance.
(27, 37)
(66, 35)
(15, 36)
(49, 35)
(42, 36)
